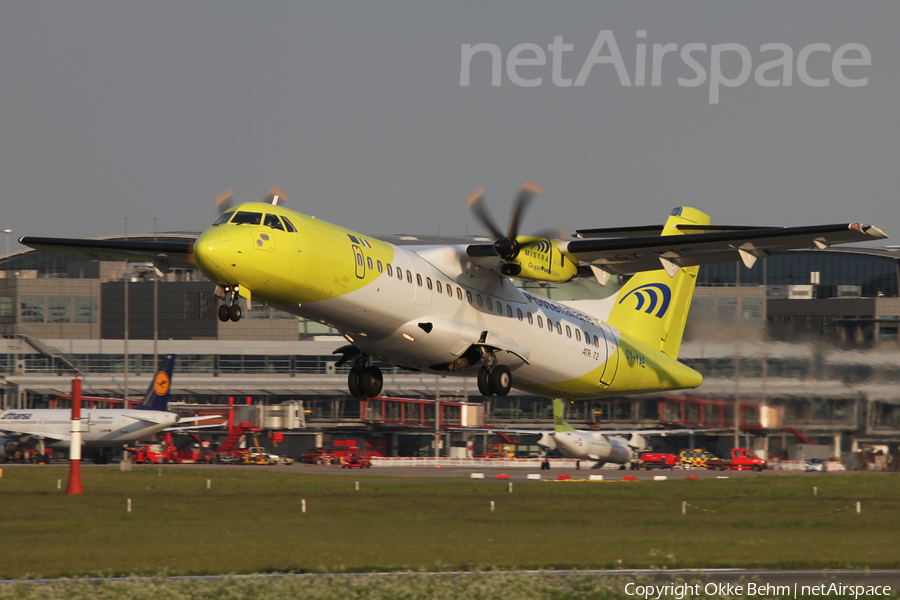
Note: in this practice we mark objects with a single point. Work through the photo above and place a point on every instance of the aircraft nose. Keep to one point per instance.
(215, 255)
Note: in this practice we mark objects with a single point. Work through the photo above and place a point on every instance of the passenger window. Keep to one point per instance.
(490, 304)
(390, 270)
(587, 338)
(274, 222)
(519, 313)
(478, 298)
(549, 324)
(399, 273)
(596, 342)
(509, 312)
(568, 331)
(440, 289)
(369, 262)
(428, 282)
(380, 268)
(558, 328)
(409, 277)
(530, 319)
(577, 335)
(540, 321)
(499, 307)
(419, 279)
(289, 225)
(247, 218)
(224, 218)
(359, 260)
(469, 296)
(459, 294)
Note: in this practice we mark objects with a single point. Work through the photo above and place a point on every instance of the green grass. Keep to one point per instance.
(251, 522)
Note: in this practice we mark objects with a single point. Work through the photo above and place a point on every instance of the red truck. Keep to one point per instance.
(658, 460)
(741, 459)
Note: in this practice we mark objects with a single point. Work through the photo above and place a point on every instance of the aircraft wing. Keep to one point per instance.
(626, 250)
(193, 427)
(163, 254)
(630, 255)
(40, 435)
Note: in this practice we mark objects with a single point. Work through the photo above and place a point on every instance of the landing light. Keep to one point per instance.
(348, 337)
(406, 336)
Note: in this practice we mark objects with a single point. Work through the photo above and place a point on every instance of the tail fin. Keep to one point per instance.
(157, 396)
(653, 306)
(559, 423)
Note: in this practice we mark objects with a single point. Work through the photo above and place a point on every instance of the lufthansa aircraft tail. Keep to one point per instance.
(653, 306)
(157, 395)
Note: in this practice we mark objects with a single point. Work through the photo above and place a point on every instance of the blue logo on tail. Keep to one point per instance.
(157, 396)
(657, 296)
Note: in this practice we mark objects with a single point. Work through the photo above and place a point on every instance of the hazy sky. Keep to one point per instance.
(150, 109)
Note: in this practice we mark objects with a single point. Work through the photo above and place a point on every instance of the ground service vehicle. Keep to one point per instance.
(355, 459)
(741, 459)
(318, 456)
(695, 457)
(658, 460)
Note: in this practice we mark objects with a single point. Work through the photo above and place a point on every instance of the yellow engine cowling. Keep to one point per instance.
(539, 259)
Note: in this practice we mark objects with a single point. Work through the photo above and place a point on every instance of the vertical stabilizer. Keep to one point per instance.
(157, 395)
(559, 423)
(653, 306)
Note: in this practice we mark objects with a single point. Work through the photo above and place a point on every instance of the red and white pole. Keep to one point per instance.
(74, 486)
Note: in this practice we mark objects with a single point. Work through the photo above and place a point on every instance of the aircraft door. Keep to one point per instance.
(612, 354)
(360, 261)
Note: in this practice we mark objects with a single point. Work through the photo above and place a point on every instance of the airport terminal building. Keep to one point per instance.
(800, 358)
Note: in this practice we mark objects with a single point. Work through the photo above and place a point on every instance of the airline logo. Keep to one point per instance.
(161, 383)
(656, 296)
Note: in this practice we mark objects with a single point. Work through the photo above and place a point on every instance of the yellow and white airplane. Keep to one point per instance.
(453, 309)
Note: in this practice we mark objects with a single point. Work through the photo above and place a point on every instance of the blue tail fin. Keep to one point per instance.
(157, 396)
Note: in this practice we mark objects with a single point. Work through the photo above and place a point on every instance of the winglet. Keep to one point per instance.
(559, 423)
(157, 395)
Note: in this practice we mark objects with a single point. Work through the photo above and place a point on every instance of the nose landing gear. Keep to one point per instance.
(232, 311)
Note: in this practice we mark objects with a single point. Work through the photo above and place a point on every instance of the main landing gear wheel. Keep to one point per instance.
(371, 382)
(366, 382)
(223, 313)
(484, 382)
(494, 382)
(501, 380)
(353, 383)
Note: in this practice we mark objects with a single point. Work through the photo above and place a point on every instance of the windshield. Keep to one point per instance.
(224, 218)
(248, 218)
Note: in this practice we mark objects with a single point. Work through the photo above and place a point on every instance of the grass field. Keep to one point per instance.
(250, 521)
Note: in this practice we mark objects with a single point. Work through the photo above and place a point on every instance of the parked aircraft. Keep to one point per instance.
(101, 429)
(453, 310)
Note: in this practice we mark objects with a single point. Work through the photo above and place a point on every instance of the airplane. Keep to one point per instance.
(454, 309)
(102, 428)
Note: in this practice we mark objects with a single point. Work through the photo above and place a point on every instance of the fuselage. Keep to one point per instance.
(99, 427)
(585, 445)
(426, 308)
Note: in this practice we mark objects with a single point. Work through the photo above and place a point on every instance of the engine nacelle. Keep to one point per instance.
(8, 447)
(539, 259)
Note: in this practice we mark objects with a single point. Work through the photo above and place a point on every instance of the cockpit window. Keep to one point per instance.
(224, 218)
(289, 225)
(273, 222)
(247, 218)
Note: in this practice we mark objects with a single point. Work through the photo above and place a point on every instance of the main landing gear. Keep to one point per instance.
(493, 379)
(364, 380)
(231, 311)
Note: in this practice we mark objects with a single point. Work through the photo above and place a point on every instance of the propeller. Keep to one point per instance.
(506, 246)
(277, 194)
(223, 201)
